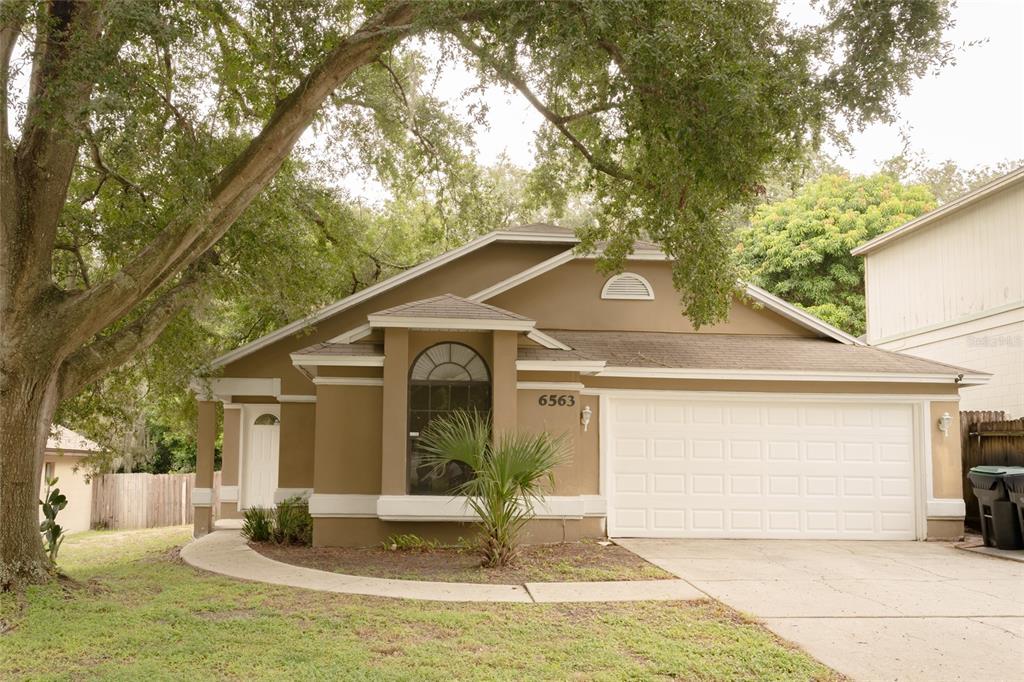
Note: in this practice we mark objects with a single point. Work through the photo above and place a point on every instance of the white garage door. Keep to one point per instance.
(760, 469)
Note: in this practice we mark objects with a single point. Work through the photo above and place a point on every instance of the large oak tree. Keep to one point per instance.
(150, 126)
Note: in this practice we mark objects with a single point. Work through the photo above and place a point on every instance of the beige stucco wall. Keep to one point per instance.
(297, 445)
(231, 445)
(569, 297)
(558, 420)
(348, 440)
(947, 466)
(75, 517)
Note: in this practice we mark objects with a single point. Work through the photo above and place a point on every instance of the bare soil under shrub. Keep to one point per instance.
(570, 561)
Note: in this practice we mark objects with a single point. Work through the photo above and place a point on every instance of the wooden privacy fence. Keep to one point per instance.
(121, 501)
(987, 437)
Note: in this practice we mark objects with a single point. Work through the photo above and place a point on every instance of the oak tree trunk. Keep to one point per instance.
(27, 404)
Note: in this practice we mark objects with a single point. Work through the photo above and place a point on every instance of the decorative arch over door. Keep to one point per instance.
(444, 378)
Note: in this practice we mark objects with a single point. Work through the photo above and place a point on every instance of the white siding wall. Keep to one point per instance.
(75, 517)
(998, 350)
(963, 266)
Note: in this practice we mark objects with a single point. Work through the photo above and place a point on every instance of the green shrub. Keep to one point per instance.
(410, 542)
(511, 474)
(292, 523)
(258, 524)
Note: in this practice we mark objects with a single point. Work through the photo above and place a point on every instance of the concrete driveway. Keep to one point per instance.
(871, 610)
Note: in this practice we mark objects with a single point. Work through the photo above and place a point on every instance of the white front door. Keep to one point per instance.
(259, 465)
(777, 468)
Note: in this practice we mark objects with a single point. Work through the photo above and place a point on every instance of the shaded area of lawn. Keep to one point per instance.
(136, 611)
(570, 561)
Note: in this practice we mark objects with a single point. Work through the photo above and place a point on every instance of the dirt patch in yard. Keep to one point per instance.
(569, 561)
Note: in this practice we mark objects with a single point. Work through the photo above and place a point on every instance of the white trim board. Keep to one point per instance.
(348, 381)
(671, 394)
(446, 323)
(228, 493)
(202, 497)
(282, 494)
(299, 359)
(549, 386)
(296, 398)
(390, 283)
(790, 375)
(440, 507)
(963, 326)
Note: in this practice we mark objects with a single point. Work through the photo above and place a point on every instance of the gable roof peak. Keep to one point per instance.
(449, 306)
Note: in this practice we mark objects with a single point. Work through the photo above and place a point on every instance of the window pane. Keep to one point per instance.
(480, 398)
(440, 397)
(418, 420)
(419, 397)
(460, 397)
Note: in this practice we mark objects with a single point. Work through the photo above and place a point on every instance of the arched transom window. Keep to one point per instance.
(444, 378)
(449, 362)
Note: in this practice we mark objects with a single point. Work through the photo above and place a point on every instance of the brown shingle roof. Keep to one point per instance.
(451, 307)
(343, 349)
(730, 352)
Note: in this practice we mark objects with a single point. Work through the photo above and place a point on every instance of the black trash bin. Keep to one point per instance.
(999, 524)
(1013, 479)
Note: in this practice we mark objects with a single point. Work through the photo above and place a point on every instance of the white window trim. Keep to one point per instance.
(623, 275)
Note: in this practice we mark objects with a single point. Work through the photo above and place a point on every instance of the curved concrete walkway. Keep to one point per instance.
(225, 552)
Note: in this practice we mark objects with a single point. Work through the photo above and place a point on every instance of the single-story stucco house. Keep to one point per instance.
(65, 450)
(772, 424)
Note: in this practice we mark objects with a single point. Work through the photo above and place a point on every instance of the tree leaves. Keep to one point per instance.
(799, 248)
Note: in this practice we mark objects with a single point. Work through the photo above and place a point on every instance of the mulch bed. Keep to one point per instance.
(571, 561)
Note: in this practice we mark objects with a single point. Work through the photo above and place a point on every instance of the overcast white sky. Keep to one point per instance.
(972, 112)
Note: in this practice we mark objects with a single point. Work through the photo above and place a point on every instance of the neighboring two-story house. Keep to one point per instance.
(949, 287)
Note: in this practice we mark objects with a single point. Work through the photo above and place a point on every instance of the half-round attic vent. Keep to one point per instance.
(628, 286)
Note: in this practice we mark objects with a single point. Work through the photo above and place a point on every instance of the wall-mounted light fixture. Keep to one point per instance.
(944, 421)
(585, 416)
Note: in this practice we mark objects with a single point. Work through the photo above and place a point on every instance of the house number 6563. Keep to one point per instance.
(554, 400)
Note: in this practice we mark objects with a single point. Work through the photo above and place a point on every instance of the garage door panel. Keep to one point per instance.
(748, 469)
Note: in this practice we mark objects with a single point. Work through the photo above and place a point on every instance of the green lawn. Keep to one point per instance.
(135, 611)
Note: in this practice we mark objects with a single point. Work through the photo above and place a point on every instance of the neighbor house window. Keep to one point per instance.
(444, 378)
(48, 471)
(267, 420)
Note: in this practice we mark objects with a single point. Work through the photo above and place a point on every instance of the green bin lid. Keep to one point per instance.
(989, 470)
(1013, 471)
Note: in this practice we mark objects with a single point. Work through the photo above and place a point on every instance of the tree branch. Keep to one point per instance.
(11, 21)
(513, 78)
(195, 230)
(93, 361)
(45, 156)
(76, 250)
